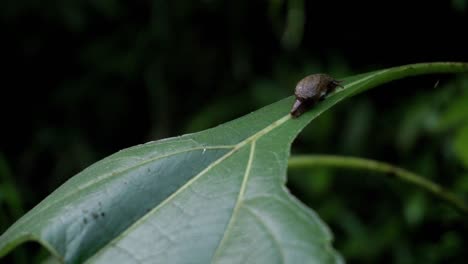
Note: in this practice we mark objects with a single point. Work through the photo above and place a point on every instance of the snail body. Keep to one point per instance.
(310, 90)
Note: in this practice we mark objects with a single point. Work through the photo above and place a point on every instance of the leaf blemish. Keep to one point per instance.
(95, 215)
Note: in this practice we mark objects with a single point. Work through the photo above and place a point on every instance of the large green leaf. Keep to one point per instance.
(214, 196)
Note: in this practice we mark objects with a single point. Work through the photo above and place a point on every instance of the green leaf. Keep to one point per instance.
(215, 196)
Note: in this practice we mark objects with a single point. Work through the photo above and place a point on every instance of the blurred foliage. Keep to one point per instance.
(84, 79)
(378, 216)
(11, 204)
(460, 5)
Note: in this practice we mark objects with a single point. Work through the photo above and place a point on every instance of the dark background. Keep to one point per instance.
(82, 79)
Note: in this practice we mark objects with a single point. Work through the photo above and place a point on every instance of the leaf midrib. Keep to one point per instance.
(239, 199)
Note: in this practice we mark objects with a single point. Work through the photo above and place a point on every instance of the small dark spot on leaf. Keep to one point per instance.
(85, 220)
(103, 214)
(95, 215)
(148, 209)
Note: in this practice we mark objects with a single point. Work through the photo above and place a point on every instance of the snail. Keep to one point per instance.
(310, 90)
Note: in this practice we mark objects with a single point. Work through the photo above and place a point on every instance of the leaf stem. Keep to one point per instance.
(309, 161)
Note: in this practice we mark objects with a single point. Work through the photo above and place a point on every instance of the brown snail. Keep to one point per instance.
(310, 90)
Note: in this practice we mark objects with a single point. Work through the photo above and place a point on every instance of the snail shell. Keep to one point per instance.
(310, 90)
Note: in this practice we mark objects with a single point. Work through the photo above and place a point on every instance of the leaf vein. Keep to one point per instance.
(268, 231)
(238, 201)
